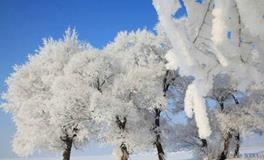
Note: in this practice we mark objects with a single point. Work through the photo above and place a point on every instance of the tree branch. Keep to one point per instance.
(203, 22)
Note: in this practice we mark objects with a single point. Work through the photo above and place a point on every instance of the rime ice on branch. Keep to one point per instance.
(230, 48)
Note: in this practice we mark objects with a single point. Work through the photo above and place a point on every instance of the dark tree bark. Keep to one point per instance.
(122, 126)
(166, 85)
(204, 143)
(225, 152)
(158, 144)
(220, 101)
(124, 151)
(204, 146)
(67, 151)
(237, 140)
(230, 134)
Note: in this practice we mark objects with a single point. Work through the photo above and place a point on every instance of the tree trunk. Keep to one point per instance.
(122, 126)
(237, 140)
(160, 150)
(204, 146)
(166, 84)
(67, 151)
(124, 151)
(224, 153)
(158, 144)
(204, 143)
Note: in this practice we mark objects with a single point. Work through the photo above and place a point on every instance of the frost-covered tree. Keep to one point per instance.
(143, 88)
(69, 93)
(97, 72)
(215, 37)
(136, 100)
(45, 107)
(238, 119)
(232, 116)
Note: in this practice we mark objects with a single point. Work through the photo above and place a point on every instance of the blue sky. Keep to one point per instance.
(23, 24)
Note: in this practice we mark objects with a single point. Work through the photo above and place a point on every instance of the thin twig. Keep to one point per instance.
(203, 22)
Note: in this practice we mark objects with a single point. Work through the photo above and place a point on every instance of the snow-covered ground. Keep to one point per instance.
(248, 152)
(184, 155)
(252, 147)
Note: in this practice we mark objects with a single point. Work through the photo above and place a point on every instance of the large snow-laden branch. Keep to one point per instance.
(252, 12)
(228, 32)
(165, 11)
(195, 103)
(181, 57)
(188, 56)
(220, 28)
(229, 36)
(220, 13)
(188, 101)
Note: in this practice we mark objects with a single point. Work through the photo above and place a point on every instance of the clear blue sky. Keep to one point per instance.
(23, 24)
